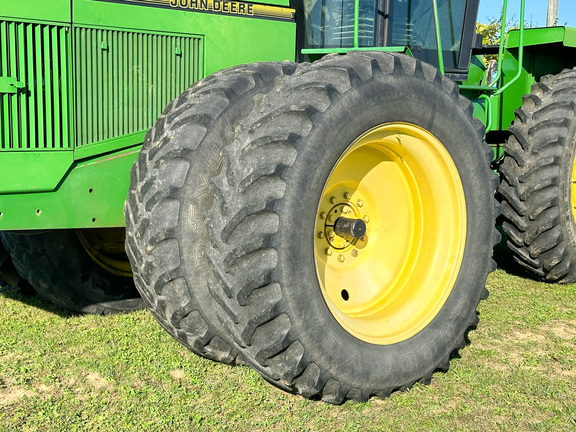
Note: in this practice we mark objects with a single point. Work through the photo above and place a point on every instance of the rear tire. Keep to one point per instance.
(264, 255)
(538, 186)
(58, 267)
(166, 206)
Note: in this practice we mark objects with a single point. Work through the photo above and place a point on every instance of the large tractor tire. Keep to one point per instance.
(85, 271)
(538, 186)
(170, 193)
(350, 229)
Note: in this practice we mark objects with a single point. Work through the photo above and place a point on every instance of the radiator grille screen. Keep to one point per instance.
(125, 79)
(35, 58)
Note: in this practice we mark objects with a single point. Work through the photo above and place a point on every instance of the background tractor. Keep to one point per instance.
(316, 199)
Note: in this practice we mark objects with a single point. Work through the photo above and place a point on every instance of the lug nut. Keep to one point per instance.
(322, 215)
(320, 235)
(366, 219)
(341, 258)
(328, 251)
(354, 253)
(333, 200)
(347, 195)
(345, 210)
(359, 203)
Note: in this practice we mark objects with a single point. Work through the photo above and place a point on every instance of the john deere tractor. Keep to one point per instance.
(310, 185)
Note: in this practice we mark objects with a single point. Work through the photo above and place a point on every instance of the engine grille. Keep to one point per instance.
(37, 116)
(125, 79)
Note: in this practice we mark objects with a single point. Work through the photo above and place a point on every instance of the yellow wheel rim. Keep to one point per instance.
(387, 285)
(106, 247)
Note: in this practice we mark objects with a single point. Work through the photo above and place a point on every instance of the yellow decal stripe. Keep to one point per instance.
(228, 7)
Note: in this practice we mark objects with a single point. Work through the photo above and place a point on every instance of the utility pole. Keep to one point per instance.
(552, 17)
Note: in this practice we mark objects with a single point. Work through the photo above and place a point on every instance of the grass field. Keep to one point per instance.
(63, 372)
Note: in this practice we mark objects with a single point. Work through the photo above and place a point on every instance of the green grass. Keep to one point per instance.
(63, 372)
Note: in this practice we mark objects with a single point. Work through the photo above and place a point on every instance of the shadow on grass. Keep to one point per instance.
(30, 298)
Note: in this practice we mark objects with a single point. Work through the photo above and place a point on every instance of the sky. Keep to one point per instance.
(535, 11)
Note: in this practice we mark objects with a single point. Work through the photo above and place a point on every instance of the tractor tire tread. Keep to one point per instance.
(532, 180)
(153, 208)
(266, 339)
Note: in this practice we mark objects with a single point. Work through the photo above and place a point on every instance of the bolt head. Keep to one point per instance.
(347, 195)
(345, 210)
(354, 253)
(341, 258)
(333, 200)
(366, 219)
(359, 203)
(323, 215)
(328, 251)
(320, 235)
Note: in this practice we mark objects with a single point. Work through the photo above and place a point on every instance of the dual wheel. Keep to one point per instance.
(330, 224)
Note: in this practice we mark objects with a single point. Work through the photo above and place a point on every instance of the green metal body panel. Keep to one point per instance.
(82, 81)
(544, 51)
(33, 171)
(53, 11)
(91, 195)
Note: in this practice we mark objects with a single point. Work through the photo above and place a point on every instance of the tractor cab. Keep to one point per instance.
(333, 26)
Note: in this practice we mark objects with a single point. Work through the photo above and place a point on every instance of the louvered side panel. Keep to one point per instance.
(125, 79)
(36, 58)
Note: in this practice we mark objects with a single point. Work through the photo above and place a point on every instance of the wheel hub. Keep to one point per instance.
(350, 228)
(345, 229)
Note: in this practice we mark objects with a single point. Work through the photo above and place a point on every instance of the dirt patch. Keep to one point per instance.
(562, 330)
(14, 394)
(528, 336)
(177, 374)
(97, 381)
(44, 389)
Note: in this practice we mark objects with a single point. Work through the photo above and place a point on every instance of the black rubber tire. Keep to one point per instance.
(60, 270)
(259, 261)
(536, 180)
(166, 224)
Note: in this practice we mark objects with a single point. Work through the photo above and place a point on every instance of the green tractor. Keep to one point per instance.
(316, 199)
